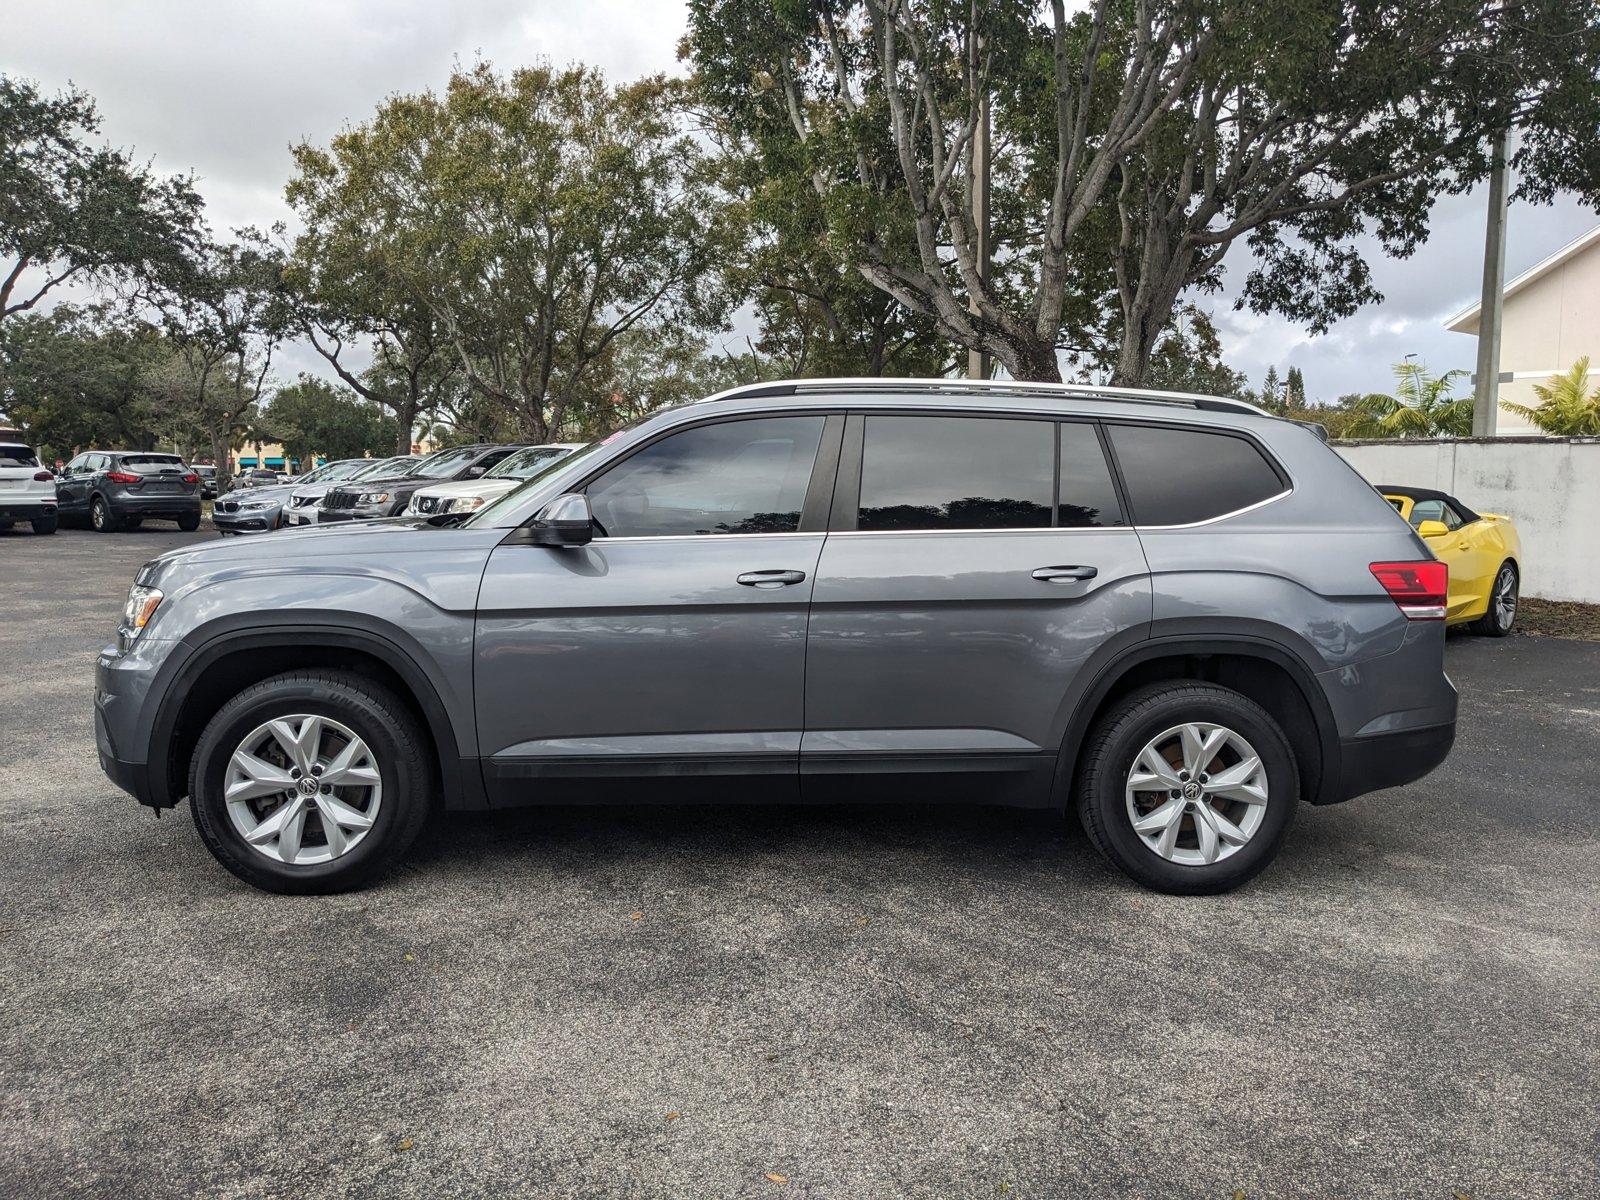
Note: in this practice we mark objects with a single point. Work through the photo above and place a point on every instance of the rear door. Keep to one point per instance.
(974, 564)
(672, 647)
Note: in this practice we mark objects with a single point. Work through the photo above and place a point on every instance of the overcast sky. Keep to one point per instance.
(224, 87)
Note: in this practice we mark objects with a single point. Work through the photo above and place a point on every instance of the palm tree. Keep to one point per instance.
(1566, 408)
(1422, 406)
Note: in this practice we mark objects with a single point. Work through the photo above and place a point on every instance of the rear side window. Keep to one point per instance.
(1180, 476)
(956, 473)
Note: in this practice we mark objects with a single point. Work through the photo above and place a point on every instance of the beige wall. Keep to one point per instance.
(1548, 326)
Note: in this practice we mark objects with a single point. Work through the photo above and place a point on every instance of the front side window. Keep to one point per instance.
(733, 477)
(1181, 476)
(1088, 497)
(1435, 510)
(956, 473)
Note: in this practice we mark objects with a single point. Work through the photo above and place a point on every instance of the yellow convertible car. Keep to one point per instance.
(1482, 549)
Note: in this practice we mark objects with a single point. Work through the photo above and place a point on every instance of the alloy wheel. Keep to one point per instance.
(303, 789)
(1505, 597)
(1197, 793)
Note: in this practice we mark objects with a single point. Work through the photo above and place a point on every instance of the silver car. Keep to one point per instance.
(301, 508)
(1177, 616)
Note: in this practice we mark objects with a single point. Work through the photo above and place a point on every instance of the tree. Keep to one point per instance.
(312, 417)
(80, 377)
(1294, 395)
(534, 218)
(1137, 143)
(1566, 408)
(74, 212)
(1271, 397)
(1422, 406)
(225, 321)
(1188, 358)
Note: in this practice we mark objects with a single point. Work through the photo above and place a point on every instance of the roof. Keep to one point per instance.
(1466, 321)
(1416, 493)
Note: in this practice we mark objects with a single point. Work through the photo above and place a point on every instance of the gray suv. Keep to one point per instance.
(1178, 615)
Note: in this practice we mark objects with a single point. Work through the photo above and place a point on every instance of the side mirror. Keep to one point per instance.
(475, 472)
(565, 521)
(1433, 529)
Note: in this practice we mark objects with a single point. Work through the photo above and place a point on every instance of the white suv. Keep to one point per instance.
(468, 495)
(27, 490)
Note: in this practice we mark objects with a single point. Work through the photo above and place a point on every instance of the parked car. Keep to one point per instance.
(303, 500)
(208, 480)
(469, 495)
(353, 502)
(262, 509)
(1177, 615)
(254, 477)
(27, 489)
(1482, 550)
(121, 489)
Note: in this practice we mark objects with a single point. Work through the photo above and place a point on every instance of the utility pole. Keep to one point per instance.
(1486, 383)
(978, 360)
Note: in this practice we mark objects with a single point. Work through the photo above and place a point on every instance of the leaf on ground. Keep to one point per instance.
(673, 1116)
(411, 958)
(774, 1177)
(403, 1144)
(863, 920)
(635, 916)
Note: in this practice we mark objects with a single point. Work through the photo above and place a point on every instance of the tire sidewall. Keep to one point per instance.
(1129, 737)
(100, 515)
(403, 787)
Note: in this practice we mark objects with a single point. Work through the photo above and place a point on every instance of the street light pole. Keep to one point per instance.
(1486, 383)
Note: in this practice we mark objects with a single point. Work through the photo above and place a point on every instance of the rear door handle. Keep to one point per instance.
(1064, 574)
(771, 579)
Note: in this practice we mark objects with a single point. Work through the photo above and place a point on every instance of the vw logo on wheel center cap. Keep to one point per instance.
(1191, 790)
(308, 786)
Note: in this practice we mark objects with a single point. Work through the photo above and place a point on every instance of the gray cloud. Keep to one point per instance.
(225, 87)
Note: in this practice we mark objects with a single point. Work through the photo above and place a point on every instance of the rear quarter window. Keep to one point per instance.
(1181, 476)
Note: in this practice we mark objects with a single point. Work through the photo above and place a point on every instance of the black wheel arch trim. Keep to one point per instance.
(1120, 662)
(459, 773)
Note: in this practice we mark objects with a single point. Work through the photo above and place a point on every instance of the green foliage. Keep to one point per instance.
(1188, 358)
(313, 418)
(74, 211)
(1566, 408)
(1422, 406)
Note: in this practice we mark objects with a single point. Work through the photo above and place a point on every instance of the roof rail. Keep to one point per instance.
(1009, 387)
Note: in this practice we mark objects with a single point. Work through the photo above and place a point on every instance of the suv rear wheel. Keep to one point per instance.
(310, 782)
(1188, 787)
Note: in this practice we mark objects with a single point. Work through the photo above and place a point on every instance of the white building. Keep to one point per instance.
(1551, 319)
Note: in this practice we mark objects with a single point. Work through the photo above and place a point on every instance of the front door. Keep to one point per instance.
(959, 595)
(672, 647)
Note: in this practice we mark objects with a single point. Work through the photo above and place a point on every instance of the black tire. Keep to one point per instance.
(4, 525)
(132, 522)
(189, 522)
(1123, 732)
(374, 714)
(101, 518)
(45, 524)
(1494, 622)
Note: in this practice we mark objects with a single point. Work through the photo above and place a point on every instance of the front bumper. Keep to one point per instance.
(16, 510)
(366, 512)
(258, 520)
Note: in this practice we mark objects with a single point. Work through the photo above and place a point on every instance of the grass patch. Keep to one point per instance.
(1559, 619)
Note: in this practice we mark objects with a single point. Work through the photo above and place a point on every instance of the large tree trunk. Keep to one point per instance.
(219, 456)
(406, 414)
(1031, 360)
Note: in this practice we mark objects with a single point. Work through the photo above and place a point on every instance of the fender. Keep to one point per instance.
(459, 773)
(1119, 663)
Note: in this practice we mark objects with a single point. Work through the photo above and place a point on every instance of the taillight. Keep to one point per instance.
(191, 478)
(42, 477)
(1419, 588)
(122, 477)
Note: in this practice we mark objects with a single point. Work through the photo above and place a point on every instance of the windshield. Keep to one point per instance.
(445, 463)
(334, 472)
(385, 468)
(525, 464)
(487, 514)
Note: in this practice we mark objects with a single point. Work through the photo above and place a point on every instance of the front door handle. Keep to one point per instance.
(771, 579)
(1064, 574)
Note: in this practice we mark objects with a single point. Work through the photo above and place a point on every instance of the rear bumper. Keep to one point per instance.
(155, 506)
(1386, 760)
(21, 510)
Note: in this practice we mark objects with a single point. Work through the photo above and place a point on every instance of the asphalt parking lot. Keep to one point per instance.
(798, 1002)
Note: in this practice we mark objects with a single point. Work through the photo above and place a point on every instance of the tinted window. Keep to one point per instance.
(1178, 476)
(1434, 510)
(956, 473)
(733, 477)
(17, 456)
(1088, 497)
(444, 463)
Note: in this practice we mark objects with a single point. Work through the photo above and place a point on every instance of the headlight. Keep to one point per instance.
(141, 606)
(255, 505)
(463, 504)
(373, 498)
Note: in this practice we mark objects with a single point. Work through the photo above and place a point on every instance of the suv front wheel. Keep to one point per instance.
(310, 782)
(1188, 787)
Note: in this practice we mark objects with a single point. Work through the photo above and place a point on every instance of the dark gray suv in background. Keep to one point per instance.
(121, 489)
(1178, 615)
